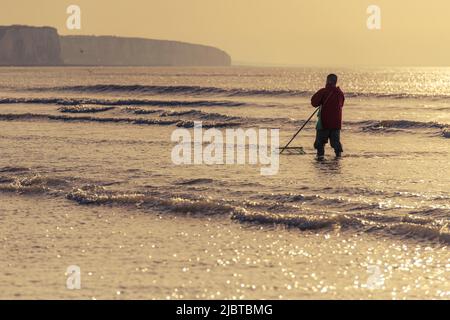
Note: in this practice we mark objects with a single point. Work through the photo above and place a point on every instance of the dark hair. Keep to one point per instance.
(332, 78)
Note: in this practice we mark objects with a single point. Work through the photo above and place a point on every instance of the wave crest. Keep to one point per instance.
(96, 195)
(422, 224)
(137, 121)
(32, 184)
(401, 124)
(193, 90)
(387, 126)
(173, 90)
(84, 109)
(122, 102)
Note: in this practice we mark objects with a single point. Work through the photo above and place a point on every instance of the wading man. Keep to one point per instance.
(331, 101)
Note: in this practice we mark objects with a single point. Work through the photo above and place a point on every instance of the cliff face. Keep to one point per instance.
(42, 46)
(29, 46)
(116, 51)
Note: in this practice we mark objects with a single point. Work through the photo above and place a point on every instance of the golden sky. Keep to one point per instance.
(294, 32)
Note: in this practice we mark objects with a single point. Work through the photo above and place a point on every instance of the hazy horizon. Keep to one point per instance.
(271, 33)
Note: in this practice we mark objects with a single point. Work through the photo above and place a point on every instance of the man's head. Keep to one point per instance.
(332, 79)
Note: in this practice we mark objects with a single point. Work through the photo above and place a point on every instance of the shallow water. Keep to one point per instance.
(81, 185)
(126, 254)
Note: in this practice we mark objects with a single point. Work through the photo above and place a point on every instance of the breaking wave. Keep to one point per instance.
(99, 195)
(32, 184)
(196, 113)
(421, 224)
(84, 109)
(186, 118)
(219, 91)
(392, 126)
(122, 102)
(137, 121)
(404, 227)
(400, 124)
(351, 192)
(173, 90)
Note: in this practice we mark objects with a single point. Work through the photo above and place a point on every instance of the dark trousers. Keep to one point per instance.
(322, 136)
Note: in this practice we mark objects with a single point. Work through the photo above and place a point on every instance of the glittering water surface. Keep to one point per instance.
(86, 179)
(135, 255)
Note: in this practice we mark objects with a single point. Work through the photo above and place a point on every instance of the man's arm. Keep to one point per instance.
(317, 98)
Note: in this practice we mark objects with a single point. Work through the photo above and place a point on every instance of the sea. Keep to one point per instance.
(87, 179)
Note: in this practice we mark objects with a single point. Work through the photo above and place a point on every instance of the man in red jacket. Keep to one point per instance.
(331, 100)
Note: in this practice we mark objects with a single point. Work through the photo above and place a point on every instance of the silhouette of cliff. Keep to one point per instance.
(29, 46)
(42, 46)
(118, 51)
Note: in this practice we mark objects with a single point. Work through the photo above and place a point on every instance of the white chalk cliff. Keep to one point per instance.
(42, 46)
(118, 51)
(29, 46)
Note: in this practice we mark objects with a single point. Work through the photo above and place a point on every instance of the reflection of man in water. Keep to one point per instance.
(331, 100)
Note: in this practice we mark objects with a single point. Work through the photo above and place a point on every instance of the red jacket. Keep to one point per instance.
(331, 98)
